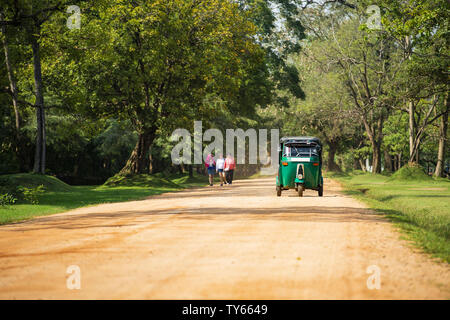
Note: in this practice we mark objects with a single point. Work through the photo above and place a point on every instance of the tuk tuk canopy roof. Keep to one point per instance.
(301, 140)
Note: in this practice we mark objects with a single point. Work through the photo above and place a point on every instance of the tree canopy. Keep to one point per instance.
(104, 95)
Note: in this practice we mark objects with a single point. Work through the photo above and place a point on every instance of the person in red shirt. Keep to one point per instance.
(229, 167)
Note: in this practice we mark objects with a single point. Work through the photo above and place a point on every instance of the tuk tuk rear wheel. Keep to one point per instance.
(321, 191)
(300, 191)
(278, 191)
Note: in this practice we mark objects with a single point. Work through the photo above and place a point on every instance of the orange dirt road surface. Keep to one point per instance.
(232, 242)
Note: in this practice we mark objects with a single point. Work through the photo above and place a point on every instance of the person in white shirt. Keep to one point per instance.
(220, 163)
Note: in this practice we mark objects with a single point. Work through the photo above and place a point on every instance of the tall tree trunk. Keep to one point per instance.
(150, 160)
(332, 165)
(442, 140)
(411, 111)
(376, 162)
(375, 134)
(39, 158)
(11, 78)
(355, 164)
(376, 152)
(412, 132)
(388, 164)
(417, 155)
(15, 97)
(362, 165)
(191, 171)
(396, 162)
(416, 131)
(138, 161)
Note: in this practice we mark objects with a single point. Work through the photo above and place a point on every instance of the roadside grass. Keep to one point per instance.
(418, 204)
(61, 197)
(30, 180)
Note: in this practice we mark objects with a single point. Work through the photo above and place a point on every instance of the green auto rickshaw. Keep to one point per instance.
(300, 165)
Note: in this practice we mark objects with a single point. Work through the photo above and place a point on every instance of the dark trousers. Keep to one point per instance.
(229, 176)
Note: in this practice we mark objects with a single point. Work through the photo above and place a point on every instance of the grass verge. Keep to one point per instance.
(419, 206)
(61, 197)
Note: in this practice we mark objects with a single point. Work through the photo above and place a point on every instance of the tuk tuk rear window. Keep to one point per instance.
(300, 151)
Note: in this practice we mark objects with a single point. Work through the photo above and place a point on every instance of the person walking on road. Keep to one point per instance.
(210, 165)
(220, 164)
(230, 165)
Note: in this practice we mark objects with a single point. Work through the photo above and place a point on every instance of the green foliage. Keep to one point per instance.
(280, 33)
(157, 65)
(150, 63)
(7, 199)
(396, 133)
(30, 180)
(115, 144)
(358, 82)
(31, 195)
(410, 173)
(156, 68)
(30, 187)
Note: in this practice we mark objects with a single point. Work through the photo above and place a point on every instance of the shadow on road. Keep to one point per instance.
(135, 217)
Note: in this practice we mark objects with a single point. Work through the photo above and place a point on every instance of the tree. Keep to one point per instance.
(28, 16)
(11, 76)
(421, 29)
(325, 110)
(366, 61)
(153, 62)
(279, 32)
(443, 138)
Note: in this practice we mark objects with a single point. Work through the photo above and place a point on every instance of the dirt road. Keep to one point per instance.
(235, 242)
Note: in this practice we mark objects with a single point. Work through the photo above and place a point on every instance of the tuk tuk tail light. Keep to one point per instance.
(285, 163)
(315, 164)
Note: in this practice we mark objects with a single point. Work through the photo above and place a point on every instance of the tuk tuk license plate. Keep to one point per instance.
(298, 159)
